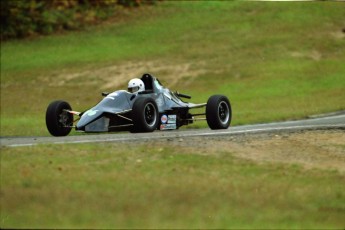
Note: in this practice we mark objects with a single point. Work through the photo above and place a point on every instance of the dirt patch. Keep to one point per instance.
(323, 149)
(314, 55)
(116, 76)
(339, 34)
(171, 72)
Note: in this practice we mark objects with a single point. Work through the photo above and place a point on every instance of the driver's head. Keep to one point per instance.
(136, 85)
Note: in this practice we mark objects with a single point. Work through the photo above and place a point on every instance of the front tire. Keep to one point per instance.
(145, 115)
(218, 112)
(58, 121)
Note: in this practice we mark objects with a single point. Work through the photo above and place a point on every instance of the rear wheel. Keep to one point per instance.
(145, 115)
(58, 121)
(218, 112)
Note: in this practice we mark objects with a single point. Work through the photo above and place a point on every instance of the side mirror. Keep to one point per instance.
(104, 94)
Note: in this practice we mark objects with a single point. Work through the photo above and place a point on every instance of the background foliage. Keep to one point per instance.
(24, 18)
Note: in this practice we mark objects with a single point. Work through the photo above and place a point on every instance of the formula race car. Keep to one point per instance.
(145, 107)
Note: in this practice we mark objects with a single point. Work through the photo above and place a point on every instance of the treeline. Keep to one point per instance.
(22, 18)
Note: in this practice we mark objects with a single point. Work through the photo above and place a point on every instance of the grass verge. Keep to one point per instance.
(161, 186)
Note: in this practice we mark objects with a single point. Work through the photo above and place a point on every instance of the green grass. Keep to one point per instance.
(161, 186)
(275, 61)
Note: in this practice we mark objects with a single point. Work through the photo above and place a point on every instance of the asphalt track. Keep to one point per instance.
(329, 122)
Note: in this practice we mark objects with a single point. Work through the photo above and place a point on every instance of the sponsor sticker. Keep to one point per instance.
(171, 119)
(91, 112)
(164, 119)
(167, 126)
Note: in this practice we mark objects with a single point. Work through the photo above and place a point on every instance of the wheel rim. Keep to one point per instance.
(150, 114)
(64, 119)
(223, 112)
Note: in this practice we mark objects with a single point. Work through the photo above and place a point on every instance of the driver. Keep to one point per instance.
(136, 85)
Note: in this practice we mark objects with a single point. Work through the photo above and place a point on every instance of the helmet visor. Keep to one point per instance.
(133, 89)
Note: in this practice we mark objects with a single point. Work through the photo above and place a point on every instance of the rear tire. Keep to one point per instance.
(218, 112)
(145, 115)
(58, 121)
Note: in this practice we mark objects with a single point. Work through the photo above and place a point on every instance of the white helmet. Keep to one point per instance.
(136, 85)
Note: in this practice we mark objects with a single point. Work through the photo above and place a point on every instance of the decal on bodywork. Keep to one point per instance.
(168, 122)
(91, 112)
(164, 119)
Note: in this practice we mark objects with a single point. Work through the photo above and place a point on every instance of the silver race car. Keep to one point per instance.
(146, 106)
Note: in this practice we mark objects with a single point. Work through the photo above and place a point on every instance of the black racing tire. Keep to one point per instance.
(218, 112)
(145, 115)
(58, 121)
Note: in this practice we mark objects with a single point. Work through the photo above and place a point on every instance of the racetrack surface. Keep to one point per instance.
(330, 122)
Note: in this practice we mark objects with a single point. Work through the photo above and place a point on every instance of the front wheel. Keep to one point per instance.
(218, 112)
(59, 122)
(145, 115)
